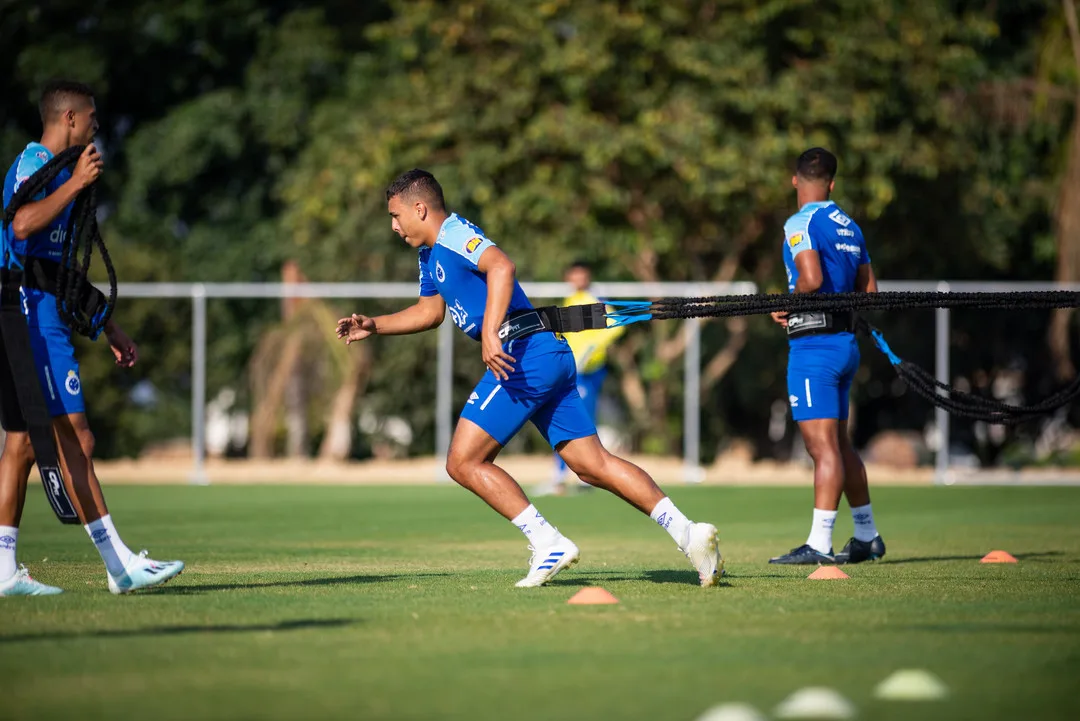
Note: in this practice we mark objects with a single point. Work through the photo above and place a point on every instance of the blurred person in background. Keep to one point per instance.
(824, 251)
(590, 349)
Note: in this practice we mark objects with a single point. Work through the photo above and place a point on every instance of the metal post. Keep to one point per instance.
(444, 413)
(198, 384)
(692, 471)
(941, 372)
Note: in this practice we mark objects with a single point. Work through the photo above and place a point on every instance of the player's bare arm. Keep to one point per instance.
(34, 217)
(808, 264)
(427, 313)
(865, 280)
(123, 348)
(500, 271)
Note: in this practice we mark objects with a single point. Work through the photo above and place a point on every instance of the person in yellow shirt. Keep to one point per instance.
(590, 354)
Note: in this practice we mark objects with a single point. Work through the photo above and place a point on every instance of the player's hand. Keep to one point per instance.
(89, 166)
(495, 358)
(122, 346)
(356, 327)
(780, 316)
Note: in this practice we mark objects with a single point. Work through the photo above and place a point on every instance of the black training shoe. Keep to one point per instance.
(804, 555)
(857, 551)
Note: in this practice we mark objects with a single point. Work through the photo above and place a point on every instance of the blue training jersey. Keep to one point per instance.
(449, 269)
(837, 239)
(47, 243)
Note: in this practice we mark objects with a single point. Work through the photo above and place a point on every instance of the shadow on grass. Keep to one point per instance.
(975, 627)
(293, 625)
(593, 578)
(1039, 556)
(306, 582)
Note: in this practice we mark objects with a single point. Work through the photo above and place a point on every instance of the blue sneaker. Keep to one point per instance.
(857, 551)
(143, 572)
(804, 555)
(20, 584)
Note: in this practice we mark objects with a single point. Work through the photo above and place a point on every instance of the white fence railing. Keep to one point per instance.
(200, 292)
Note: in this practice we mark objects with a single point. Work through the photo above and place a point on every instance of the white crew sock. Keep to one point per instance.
(540, 533)
(865, 530)
(113, 552)
(9, 535)
(821, 531)
(672, 520)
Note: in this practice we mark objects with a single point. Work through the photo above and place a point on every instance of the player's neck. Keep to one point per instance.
(434, 224)
(812, 197)
(56, 140)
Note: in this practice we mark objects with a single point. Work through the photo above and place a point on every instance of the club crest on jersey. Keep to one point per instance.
(71, 383)
(795, 240)
(440, 274)
(473, 244)
(42, 155)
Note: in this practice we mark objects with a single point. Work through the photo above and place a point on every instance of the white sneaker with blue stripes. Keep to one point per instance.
(20, 584)
(547, 562)
(143, 572)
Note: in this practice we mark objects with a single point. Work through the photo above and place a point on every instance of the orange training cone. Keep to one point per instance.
(592, 595)
(825, 572)
(998, 557)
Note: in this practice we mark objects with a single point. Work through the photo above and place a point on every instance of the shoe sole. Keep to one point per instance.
(561, 566)
(148, 588)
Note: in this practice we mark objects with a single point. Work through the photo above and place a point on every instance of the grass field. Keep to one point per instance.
(398, 603)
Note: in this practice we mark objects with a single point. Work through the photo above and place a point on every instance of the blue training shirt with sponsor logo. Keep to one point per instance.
(824, 227)
(449, 269)
(47, 243)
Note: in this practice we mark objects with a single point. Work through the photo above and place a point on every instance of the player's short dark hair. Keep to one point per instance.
(582, 264)
(816, 164)
(417, 183)
(57, 93)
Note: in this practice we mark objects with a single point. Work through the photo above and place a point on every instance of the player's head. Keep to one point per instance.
(68, 106)
(814, 171)
(415, 201)
(578, 274)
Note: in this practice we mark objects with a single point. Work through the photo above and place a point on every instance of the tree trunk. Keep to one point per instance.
(264, 417)
(338, 439)
(1067, 223)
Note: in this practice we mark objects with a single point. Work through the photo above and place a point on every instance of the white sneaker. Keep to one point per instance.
(143, 572)
(20, 584)
(703, 549)
(547, 562)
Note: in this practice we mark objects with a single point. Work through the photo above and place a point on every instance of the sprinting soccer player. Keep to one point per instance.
(531, 376)
(590, 356)
(824, 251)
(33, 241)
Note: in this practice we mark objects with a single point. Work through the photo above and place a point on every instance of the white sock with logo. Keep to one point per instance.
(672, 520)
(540, 533)
(113, 552)
(9, 535)
(865, 530)
(821, 531)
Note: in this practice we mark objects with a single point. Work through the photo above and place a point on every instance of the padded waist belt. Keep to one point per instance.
(41, 274)
(569, 319)
(818, 323)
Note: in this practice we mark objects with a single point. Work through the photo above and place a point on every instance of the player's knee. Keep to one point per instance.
(18, 448)
(822, 448)
(458, 467)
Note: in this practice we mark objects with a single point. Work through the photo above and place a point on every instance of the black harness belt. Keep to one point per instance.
(42, 274)
(557, 319)
(15, 336)
(819, 323)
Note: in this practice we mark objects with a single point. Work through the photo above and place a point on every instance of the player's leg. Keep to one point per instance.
(59, 374)
(814, 390)
(568, 427)
(866, 544)
(16, 463)
(491, 418)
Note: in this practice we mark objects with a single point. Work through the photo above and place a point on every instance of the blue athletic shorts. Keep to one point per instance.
(54, 356)
(820, 371)
(589, 386)
(542, 388)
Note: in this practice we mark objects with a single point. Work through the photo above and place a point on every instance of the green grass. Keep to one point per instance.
(398, 603)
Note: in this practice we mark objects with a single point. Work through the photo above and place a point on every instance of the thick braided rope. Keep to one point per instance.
(82, 234)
